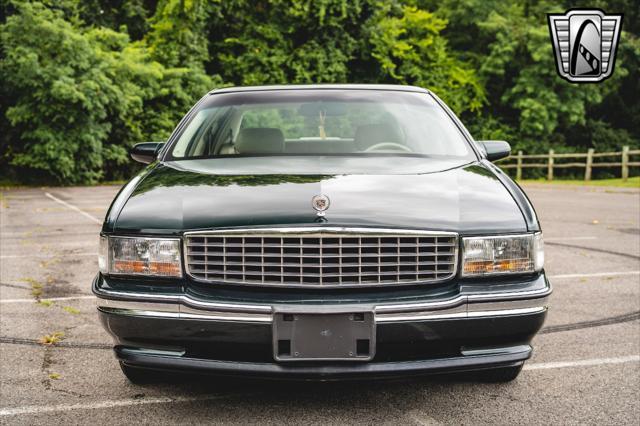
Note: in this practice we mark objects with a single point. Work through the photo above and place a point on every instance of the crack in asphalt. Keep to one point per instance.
(616, 253)
(71, 345)
(628, 317)
(22, 287)
(631, 316)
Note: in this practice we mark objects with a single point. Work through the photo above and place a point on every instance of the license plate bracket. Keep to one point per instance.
(324, 337)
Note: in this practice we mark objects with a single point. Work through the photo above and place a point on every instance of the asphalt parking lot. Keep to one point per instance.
(585, 369)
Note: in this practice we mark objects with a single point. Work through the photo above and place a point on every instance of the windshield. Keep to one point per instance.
(320, 122)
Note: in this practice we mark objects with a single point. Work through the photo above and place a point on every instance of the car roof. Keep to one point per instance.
(389, 87)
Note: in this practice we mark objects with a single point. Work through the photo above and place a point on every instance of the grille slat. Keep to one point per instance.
(298, 245)
(326, 256)
(311, 265)
(321, 258)
(316, 275)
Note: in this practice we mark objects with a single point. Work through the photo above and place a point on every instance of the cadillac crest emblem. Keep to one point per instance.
(320, 204)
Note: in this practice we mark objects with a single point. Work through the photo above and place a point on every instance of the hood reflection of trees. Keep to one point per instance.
(165, 176)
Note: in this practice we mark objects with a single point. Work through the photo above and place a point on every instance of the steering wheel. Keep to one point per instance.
(392, 146)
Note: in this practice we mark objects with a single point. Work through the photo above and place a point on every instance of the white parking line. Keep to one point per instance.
(595, 274)
(582, 363)
(46, 256)
(53, 299)
(43, 409)
(561, 239)
(35, 409)
(422, 418)
(74, 208)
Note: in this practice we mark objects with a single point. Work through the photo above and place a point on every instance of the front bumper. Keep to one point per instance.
(476, 328)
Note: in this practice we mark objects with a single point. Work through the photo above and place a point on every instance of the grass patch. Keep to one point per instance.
(71, 310)
(112, 182)
(28, 280)
(51, 339)
(47, 263)
(633, 182)
(36, 287)
(14, 184)
(36, 290)
(9, 184)
(45, 303)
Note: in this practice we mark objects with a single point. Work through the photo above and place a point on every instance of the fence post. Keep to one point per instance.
(625, 163)
(587, 170)
(550, 166)
(519, 166)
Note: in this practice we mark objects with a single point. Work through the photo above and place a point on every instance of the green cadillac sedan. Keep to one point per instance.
(321, 232)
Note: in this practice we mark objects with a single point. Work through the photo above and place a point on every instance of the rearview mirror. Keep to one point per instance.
(145, 152)
(496, 150)
(331, 109)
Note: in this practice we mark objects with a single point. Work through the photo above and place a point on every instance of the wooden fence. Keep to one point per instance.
(588, 164)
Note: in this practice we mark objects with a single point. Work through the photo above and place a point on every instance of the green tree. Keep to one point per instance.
(410, 50)
(528, 103)
(280, 42)
(81, 81)
(177, 36)
(78, 97)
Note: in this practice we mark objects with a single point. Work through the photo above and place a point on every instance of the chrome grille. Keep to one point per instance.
(325, 257)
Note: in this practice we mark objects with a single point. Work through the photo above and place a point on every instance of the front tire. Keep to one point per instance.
(499, 375)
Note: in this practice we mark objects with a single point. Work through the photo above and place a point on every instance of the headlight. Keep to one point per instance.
(502, 254)
(156, 257)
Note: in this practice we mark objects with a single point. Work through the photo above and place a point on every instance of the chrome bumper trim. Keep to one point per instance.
(459, 311)
(460, 315)
(469, 310)
(320, 230)
(183, 299)
(464, 299)
(469, 305)
(132, 310)
(110, 296)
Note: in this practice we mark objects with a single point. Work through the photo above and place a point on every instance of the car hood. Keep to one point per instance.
(173, 198)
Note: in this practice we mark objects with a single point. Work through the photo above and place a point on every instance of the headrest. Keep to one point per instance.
(371, 134)
(260, 140)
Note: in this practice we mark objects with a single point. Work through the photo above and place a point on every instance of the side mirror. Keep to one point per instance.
(496, 150)
(145, 152)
